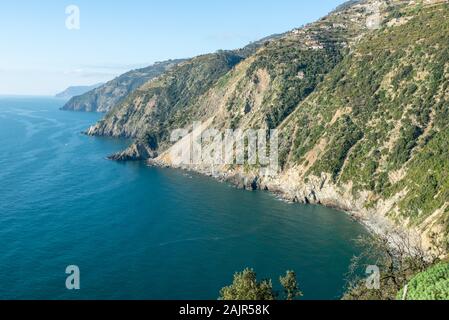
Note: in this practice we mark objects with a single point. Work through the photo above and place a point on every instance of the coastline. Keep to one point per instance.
(380, 219)
(375, 225)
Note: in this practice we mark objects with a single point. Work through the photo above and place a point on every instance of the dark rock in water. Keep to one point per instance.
(255, 185)
(135, 152)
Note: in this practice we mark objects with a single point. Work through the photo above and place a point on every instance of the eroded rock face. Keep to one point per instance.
(135, 152)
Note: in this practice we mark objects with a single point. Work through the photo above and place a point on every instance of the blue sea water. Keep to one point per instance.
(138, 232)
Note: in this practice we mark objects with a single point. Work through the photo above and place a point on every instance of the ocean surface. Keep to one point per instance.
(138, 232)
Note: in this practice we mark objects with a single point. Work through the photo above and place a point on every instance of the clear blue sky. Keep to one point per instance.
(40, 56)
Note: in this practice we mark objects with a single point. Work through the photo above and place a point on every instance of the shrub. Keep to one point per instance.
(246, 287)
(432, 284)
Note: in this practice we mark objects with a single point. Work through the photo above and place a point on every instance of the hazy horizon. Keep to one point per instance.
(44, 57)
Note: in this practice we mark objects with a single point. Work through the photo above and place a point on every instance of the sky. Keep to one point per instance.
(41, 52)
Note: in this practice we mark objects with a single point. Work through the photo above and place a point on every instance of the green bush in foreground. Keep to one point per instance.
(432, 284)
(246, 287)
(290, 285)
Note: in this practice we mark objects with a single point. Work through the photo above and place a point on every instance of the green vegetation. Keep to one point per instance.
(246, 287)
(295, 71)
(381, 113)
(408, 140)
(346, 135)
(161, 105)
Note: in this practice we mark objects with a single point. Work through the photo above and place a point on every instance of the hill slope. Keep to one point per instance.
(360, 99)
(281, 71)
(373, 137)
(103, 98)
(148, 113)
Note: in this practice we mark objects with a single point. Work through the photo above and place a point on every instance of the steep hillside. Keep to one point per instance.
(261, 91)
(371, 138)
(375, 132)
(103, 98)
(432, 284)
(148, 112)
(360, 99)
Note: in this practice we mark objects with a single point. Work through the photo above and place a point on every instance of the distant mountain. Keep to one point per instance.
(158, 104)
(73, 91)
(103, 98)
(107, 96)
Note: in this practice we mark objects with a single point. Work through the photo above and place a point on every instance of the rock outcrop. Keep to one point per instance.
(135, 152)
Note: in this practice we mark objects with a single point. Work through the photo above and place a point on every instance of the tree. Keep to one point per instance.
(246, 287)
(290, 284)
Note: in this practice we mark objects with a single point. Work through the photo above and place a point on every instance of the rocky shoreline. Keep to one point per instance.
(290, 186)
